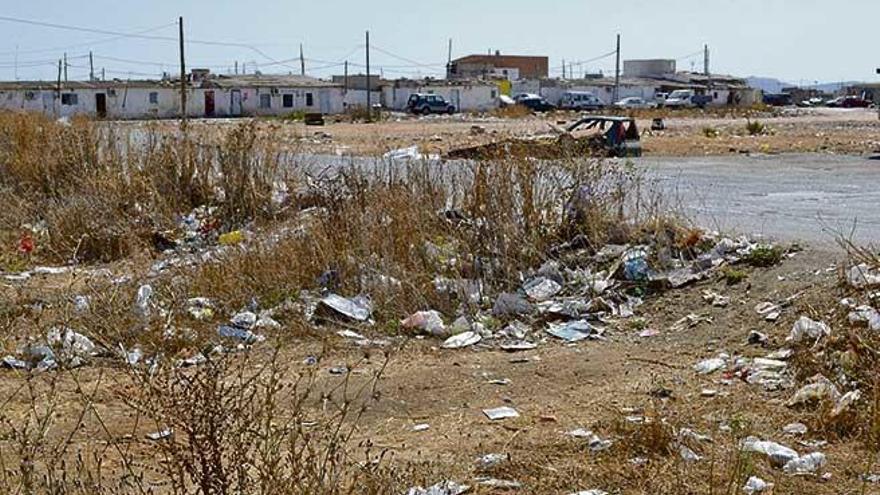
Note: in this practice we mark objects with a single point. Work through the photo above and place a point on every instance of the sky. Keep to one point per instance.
(800, 41)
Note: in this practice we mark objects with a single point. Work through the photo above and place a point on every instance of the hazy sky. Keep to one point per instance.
(795, 40)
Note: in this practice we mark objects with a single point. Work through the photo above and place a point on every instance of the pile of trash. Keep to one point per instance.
(575, 298)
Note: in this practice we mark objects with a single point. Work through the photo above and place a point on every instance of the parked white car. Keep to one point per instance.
(579, 100)
(634, 102)
(680, 98)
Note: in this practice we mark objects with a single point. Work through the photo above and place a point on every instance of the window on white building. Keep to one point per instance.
(309, 100)
(287, 101)
(154, 97)
(265, 101)
(69, 99)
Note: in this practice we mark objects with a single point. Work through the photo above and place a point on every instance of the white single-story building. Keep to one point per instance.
(219, 96)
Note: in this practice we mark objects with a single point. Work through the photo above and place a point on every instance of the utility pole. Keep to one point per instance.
(57, 90)
(707, 72)
(16, 62)
(571, 70)
(617, 73)
(563, 68)
(449, 59)
(236, 67)
(345, 79)
(182, 77)
(103, 74)
(302, 61)
(706, 60)
(369, 103)
(65, 67)
(91, 67)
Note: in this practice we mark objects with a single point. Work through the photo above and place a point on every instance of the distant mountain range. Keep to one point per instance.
(771, 85)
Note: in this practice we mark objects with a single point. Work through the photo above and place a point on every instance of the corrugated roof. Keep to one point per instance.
(99, 85)
(267, 81)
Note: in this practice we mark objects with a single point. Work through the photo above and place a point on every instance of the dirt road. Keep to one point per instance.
(805, 197)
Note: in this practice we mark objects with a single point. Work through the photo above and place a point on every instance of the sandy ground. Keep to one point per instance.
(850, 131)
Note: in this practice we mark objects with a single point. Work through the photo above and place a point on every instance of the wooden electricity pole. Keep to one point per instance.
(617, 73)
(91, 67)
(65, 67)
(302, 61)
(182, 76)
(369, 103)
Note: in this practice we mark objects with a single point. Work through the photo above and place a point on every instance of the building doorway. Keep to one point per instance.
(101, 105)
(235, 100)
(209, 103)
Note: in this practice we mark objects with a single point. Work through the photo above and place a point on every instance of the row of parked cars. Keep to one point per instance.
(425, 104)
(584, 100)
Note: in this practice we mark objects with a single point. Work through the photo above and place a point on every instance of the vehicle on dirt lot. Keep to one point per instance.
(621, 140)
(610, 137)
(634, 102)
(580, 100)
(855, 102)
(537, 104)
(680, 98)
(428, 103)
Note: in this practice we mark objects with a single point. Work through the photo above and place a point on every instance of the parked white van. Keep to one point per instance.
(579, 100)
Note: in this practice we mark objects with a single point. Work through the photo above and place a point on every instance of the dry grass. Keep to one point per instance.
(87, 193)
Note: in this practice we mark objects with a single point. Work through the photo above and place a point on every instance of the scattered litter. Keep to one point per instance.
(499, 484)
(508, 304)
(590, 492)
(820, 389)
(500, 381)
(779, 454)
(845, 402)
(648, 332)
(461, 340)
(573, 331)
(350, 334)
(200, 308)
(690, 321)
(541, 289)
(409, 153)
(358, 309)
(806, 329)
(489, 461)
(807, 464)
(756, 485)
(708, 392)
(688, 455)
(421, 427)
(427, 322)
(757, 338)
(715, 299)
(338, 370)
(865, 316)
(580, 433)
(710, 365)
(441, 488)
(795, 429)
(597, 444)
(501, 413)
(142, 303)
(519, 345)
(160, 435)
(242, 335)
(863, 276)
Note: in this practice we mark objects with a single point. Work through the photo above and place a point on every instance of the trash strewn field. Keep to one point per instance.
(186, 313)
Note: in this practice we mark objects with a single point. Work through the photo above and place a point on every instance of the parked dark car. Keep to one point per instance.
(855, 102)
(777, 99)
(537, 104)
(427, 103)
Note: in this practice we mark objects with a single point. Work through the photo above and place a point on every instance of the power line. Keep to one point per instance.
(86, 44)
